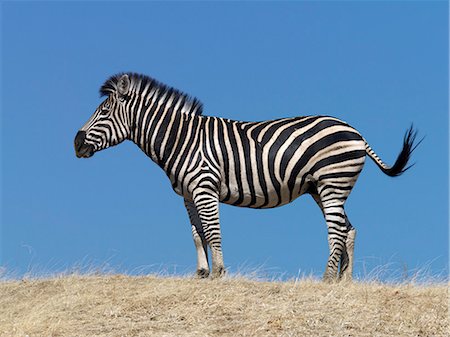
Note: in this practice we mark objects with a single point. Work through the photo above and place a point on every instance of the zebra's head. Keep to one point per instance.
(110, 123)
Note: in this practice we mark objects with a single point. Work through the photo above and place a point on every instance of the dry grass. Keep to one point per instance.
(117, 305)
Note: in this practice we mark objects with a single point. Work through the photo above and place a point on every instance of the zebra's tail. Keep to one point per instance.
(401, 163)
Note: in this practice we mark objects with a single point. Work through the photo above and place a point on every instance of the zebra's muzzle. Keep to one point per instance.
(82, 150)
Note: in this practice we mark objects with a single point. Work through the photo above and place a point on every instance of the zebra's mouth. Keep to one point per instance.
(82, 150)
(85, 151)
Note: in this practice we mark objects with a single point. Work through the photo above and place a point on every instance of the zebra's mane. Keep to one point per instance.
(191, 105)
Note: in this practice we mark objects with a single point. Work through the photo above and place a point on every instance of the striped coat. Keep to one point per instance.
(248, 164)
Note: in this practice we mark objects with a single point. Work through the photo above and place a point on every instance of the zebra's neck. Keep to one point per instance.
(161, 118)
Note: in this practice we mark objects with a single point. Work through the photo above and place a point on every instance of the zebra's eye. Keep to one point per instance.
(105, 108)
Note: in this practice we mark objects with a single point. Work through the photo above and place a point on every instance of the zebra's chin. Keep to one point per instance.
(85, 151)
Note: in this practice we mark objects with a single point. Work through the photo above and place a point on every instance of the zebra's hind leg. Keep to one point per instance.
(207, 205)
(199, 240)
(346, 265)
(335, 217)
(337, 236)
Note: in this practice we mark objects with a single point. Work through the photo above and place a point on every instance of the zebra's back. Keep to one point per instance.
(269, 164)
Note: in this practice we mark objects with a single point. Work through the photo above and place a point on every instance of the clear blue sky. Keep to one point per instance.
(377, 65)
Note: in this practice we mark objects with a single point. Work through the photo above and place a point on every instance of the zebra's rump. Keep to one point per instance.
(269, 164)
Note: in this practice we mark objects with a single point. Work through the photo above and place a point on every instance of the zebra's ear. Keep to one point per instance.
(123, 85)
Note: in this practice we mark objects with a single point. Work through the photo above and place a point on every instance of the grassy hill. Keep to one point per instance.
(118, 305)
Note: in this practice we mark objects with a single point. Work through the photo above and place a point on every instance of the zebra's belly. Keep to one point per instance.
(270, 197)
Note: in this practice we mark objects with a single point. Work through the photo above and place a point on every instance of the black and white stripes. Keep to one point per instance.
(249, 164)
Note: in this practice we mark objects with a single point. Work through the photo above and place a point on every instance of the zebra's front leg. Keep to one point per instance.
(199, 240)
(207, 205)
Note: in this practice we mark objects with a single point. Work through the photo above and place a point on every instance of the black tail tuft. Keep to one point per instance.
(409, 145)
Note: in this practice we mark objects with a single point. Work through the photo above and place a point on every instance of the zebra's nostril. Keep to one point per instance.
(82, 150)
(79, 140)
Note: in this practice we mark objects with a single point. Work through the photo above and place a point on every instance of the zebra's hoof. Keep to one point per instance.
(218, 272)
(345, 277)
(202, 273)
(330, 279)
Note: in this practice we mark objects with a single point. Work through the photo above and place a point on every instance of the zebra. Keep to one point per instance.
(211, 160)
